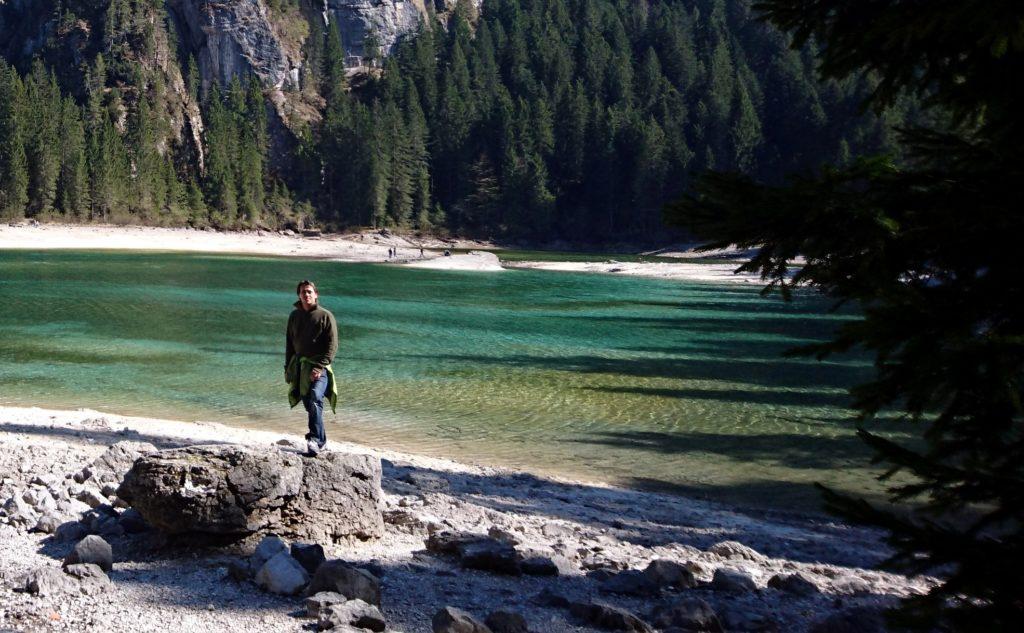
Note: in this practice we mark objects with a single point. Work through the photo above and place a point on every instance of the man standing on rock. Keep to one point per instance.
(311, 341)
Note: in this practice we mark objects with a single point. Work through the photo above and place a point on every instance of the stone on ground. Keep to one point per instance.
(354, 613)
(688, 614)
(268, 547)
(318, 603)
(91, 579)
(92, 549)
(503, 621)
(282, 575)
(732, 580)
(606, 616)
(452, 620)
(309, 555)
(490, 555)
(351, 582)
(737, 551)
(48, 582)
(666, 573)
(794, 584)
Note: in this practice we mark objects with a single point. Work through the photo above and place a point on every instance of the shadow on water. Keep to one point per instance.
(779, 373)
(741, 396)
(792, 450)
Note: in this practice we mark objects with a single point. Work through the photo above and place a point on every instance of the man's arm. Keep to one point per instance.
(289, 351)
(331, 330)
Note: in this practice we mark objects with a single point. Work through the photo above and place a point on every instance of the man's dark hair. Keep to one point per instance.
(305, 282)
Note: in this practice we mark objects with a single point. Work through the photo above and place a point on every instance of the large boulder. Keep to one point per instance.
(241, 490)
(111, 466)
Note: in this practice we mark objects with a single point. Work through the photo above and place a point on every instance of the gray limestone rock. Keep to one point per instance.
(736, 551)
(282, 575)
(132, 522)
(70, 531)
(49, 582)
(503, 621)
(268, 547)
(309, 555)
(111, 466)
(47, 524)
(490, 555)
(690, 614)
(546, 566)
(20, 513)
(354, 613)
(91, 497)
(92, 549)
(353, 583)
(606, 616)
(795, 584)
(234, 39)
(550, 598)
(666, 573)
(447, 542)
(631, 583)
(452, 620)
(91, 579)
(242, 490)
(318, 603)
(733, 581)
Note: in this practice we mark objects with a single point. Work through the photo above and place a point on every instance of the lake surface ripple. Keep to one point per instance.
(628, 380)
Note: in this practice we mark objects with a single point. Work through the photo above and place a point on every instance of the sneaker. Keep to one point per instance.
(311, 448)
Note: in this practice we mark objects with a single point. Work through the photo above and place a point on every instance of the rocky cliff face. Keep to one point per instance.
(235, 38)
(388, 20)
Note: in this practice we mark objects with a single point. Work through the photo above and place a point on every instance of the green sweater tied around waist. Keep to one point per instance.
(297, 373)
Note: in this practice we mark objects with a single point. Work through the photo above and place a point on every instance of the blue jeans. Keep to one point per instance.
(314, 403)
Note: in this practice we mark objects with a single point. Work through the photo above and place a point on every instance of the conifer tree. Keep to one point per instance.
(927, 247)
(73, 181)
(13, 170)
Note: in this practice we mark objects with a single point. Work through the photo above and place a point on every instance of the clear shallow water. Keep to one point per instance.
(642, 382)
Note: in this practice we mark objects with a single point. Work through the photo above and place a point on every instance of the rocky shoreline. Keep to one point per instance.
(366, 246)
(458, 541)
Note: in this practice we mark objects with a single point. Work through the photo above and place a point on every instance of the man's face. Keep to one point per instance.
(307, 295)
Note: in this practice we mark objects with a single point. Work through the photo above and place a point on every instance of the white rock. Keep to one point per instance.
(283, 575)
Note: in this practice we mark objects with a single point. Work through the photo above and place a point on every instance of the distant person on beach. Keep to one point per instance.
(311, 340)
(421, 252)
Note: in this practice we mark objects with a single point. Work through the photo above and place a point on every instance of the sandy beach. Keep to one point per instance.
(596, 530)
(352, 247)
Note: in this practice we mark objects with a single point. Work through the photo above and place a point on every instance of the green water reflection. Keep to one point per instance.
(618, 379)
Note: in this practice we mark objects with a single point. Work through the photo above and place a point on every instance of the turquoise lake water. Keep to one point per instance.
(628, 380)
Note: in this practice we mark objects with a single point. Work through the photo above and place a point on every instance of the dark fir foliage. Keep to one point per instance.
(928, 247)
(580, 118)
(540, 119)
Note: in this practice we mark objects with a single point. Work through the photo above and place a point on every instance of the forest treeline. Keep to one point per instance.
(541, 119)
